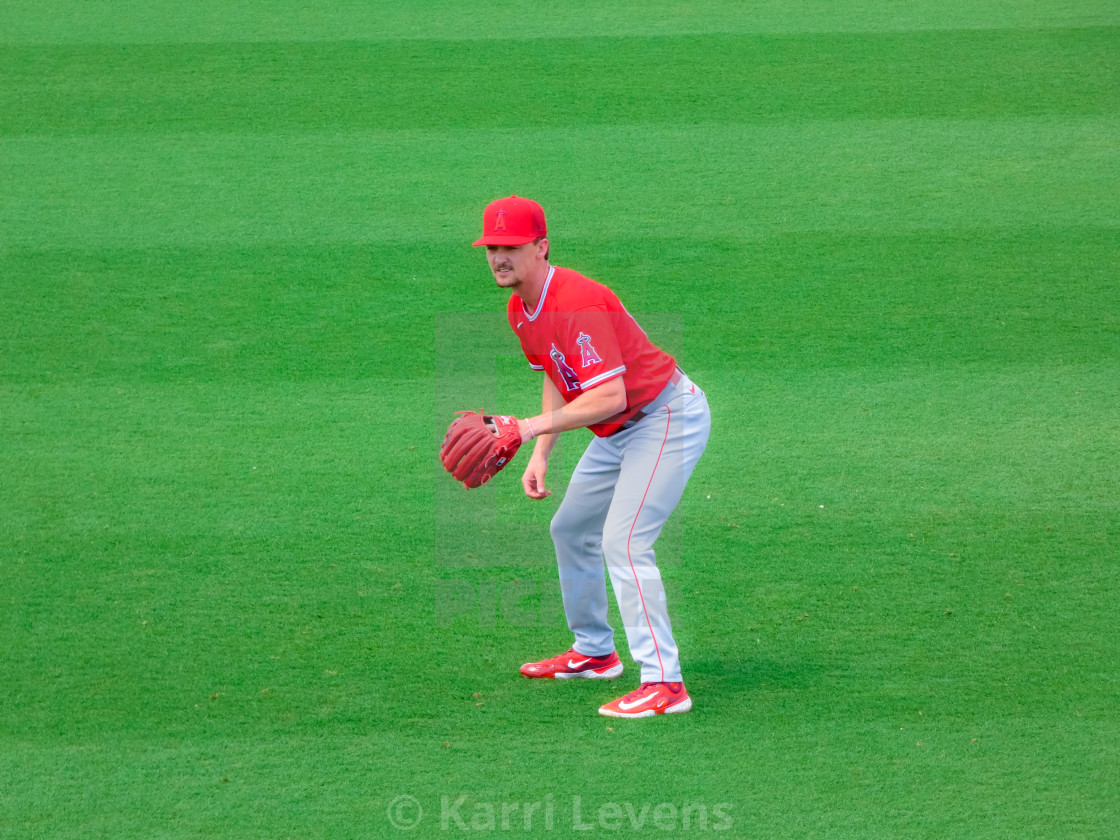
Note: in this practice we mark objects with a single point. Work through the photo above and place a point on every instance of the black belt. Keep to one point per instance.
(643, 413)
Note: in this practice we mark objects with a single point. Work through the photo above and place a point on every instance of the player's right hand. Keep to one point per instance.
(533, 478)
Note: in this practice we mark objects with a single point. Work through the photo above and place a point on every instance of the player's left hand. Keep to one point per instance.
(478, 446)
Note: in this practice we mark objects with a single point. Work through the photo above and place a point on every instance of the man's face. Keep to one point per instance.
(512, 264)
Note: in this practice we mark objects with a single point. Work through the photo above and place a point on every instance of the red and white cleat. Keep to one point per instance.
(574, 664)
(654, 698)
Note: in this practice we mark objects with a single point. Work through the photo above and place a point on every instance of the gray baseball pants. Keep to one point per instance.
(620, 496)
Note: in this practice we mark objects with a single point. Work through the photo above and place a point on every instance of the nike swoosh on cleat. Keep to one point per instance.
(574, 664)
(622, 704)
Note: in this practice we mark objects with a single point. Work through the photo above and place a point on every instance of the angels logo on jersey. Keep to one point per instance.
(587, 352)
(571, 381)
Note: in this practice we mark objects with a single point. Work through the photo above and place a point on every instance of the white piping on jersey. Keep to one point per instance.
(532, 316)
(591, 383)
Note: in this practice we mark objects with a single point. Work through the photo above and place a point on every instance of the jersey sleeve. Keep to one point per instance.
(591, 346)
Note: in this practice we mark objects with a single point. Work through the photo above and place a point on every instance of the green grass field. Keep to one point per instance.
(238, 304)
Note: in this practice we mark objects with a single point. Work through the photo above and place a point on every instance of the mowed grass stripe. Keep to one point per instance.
(284, 87)
(781, 778)
(234, 21)
(420, 188)
(330, 314)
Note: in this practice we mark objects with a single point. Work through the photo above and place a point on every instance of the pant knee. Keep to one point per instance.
(560, 527)
(578, 527)
(617, 550)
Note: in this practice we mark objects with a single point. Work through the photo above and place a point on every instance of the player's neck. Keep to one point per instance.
(531, 288)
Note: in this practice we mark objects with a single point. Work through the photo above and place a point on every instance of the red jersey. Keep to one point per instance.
(581, 335)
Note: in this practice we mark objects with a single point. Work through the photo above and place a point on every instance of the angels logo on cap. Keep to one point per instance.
(512, 221)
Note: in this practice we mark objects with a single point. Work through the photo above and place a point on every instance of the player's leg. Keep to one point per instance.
(659, 455)
(577, 533)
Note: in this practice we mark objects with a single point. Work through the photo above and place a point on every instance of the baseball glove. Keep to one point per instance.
(478, 446)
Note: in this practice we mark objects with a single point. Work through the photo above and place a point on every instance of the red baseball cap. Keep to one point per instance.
(512, 221)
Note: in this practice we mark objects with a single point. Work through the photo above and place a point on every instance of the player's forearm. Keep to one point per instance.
(551, 400)
(587, 409)
(544, 445)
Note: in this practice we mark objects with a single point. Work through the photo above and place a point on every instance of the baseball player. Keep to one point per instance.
(651, 425)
